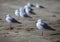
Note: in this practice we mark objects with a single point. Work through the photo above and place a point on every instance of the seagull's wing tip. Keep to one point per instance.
(54, 29)
(19, 23)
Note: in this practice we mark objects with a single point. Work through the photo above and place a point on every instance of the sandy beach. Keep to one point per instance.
(27, 31)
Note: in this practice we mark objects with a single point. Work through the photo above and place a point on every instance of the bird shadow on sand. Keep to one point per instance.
(55, 34)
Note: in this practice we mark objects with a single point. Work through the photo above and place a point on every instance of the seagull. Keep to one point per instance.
(23, 13)
(17, 13)
(11, 20)
(39, 6)
(42, 25)
(28, 9)
(30, 5)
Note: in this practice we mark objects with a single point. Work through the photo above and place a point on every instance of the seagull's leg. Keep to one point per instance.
(11, 26)
(42, 33)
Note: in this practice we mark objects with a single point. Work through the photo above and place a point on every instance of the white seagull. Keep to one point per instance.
(42, 25)
(28, 9)
(39, 6)
(11, 20)
(23, 13)
(17, 13)
(30, 5)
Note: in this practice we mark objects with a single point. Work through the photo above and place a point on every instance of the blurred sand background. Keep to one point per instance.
(27, 31)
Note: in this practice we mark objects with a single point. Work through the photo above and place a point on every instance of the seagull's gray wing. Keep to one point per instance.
(13, 20)
(25, 15)
(46, 26)
(42, 6)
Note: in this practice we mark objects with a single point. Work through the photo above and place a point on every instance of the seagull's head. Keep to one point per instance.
(7, 15)
(39, 20)
(28, 3)
(21, 9)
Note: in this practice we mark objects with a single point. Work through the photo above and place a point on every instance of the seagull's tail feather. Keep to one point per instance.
(15, 21)
(18, 22)
(46, 26)
(27, 16)
(32, 13)
(52, 29)
(42, 7)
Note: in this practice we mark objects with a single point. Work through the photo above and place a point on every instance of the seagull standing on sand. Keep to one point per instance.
(39, 6)
(28, 9)
(23, 13)
(30, 5)
(17, 13)
(11, 20)
(41, 26)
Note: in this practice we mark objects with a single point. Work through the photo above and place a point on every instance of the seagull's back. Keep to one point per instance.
(44, 26)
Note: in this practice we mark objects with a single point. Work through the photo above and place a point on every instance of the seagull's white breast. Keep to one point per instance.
(29, 4)
(38, 25)
(8, 19)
